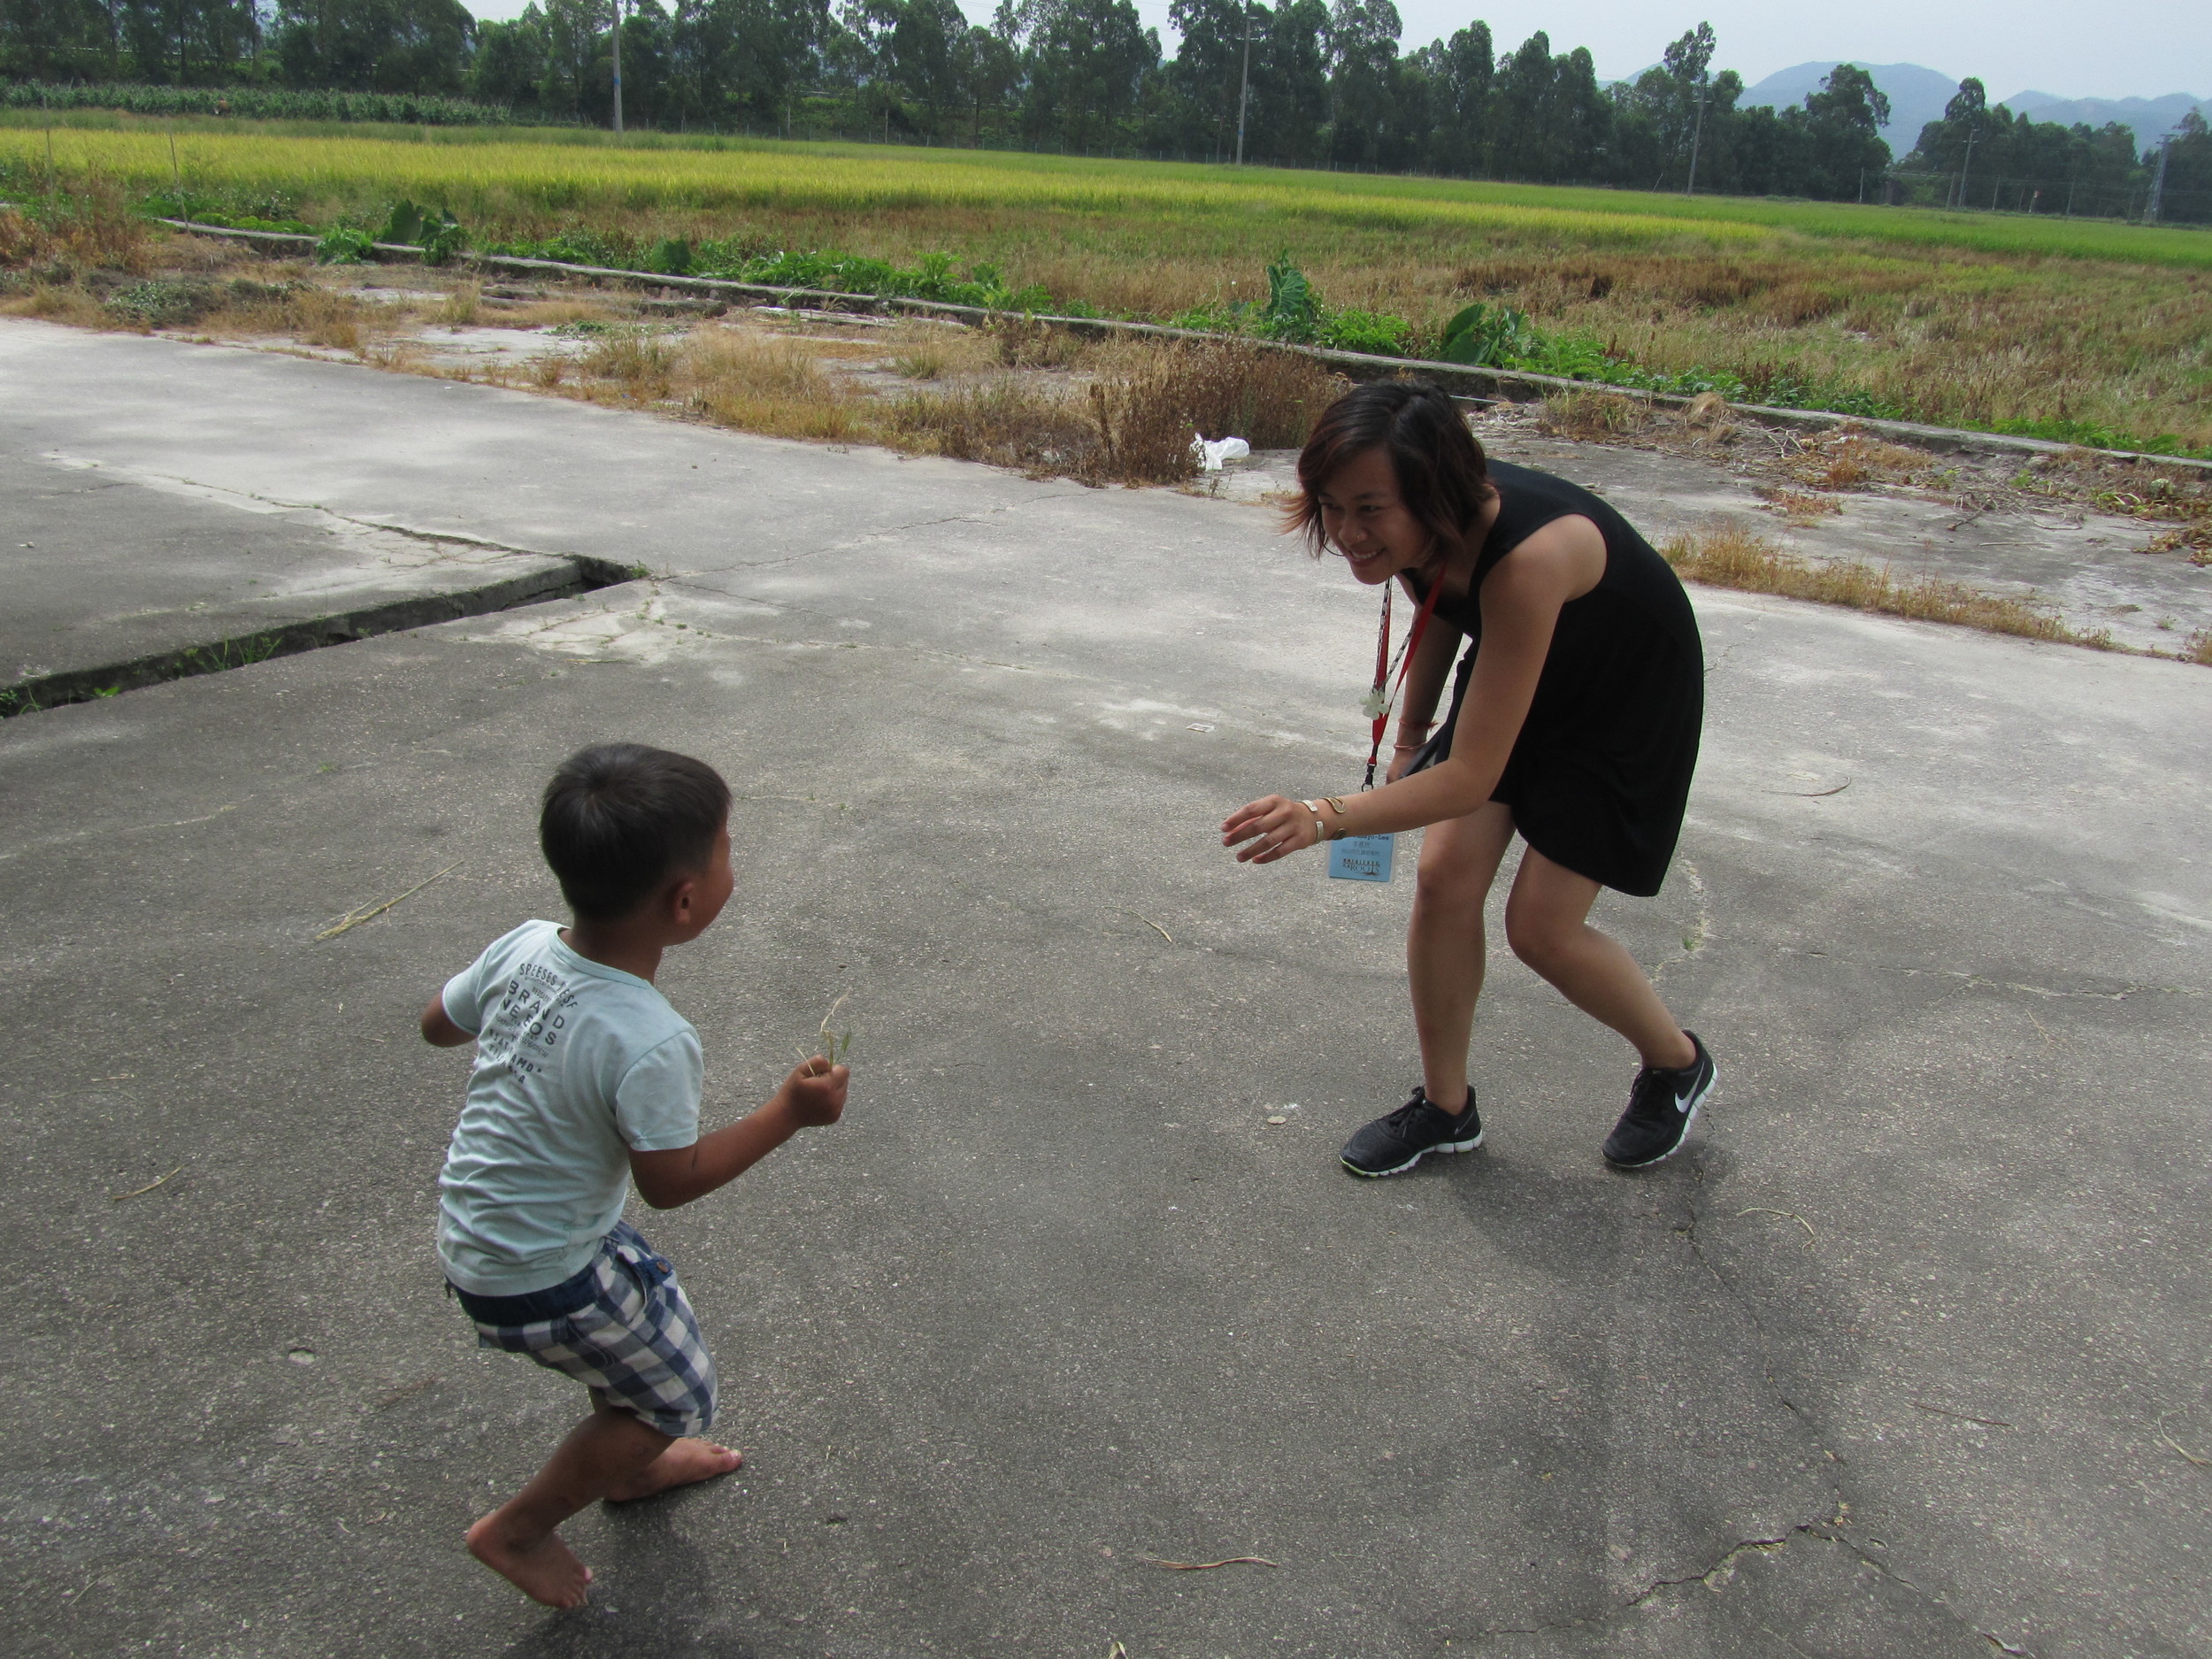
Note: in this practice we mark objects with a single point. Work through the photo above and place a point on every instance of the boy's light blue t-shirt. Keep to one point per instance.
(576, 1062)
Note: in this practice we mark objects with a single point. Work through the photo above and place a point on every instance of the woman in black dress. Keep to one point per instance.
(1574, 720)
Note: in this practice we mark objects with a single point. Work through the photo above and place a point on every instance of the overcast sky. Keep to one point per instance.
(2118, 49)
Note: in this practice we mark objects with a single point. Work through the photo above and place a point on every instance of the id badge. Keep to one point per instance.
(1362, 857)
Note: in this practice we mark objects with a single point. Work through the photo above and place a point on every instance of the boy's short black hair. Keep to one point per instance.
(617, 818)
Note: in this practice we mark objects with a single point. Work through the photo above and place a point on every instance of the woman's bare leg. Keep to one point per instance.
(1444, 948)
(1546, 922)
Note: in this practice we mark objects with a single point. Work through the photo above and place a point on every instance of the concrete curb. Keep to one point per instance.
(1477, 385)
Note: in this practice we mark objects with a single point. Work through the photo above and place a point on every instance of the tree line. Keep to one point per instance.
(1301, 83)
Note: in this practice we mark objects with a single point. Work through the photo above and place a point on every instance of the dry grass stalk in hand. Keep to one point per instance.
(835, 1045)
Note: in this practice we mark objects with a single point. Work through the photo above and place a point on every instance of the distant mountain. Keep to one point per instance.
(1916, 95)
(2151, 118)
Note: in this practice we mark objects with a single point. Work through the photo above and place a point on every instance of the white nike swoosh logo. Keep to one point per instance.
(1682, 1102)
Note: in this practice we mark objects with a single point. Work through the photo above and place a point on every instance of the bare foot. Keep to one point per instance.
(548, 1571)
(685, 1461)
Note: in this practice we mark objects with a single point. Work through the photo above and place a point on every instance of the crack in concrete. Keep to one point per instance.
(230, 496)
(972, 517)
(1831, 1528)
(1971, 980)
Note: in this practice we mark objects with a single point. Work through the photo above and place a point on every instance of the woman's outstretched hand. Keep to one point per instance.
(1275, 827)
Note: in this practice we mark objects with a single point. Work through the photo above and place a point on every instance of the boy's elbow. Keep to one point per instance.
(663, 1181)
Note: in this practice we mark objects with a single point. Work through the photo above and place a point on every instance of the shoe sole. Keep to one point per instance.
(1446, 1146)
(1689, 1121)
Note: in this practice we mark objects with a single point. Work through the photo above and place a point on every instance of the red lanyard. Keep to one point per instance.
(1382, 705)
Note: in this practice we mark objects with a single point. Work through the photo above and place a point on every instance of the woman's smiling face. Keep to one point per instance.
(1366, 521)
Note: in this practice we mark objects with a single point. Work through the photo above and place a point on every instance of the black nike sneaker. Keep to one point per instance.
(1660, 1108)
(1394, 1144)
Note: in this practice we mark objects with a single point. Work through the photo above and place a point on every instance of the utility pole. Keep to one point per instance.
(1244, 91)
(1697, 132)
(2158, 184)
(617, 66)
(1973, 135)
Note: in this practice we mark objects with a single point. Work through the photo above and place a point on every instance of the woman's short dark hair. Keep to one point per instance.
(1442, 477)
(618, 818)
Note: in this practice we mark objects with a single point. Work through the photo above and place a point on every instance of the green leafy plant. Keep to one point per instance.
(344, 246)
(1487, 335)
(435, 231)
(1293, 312)
(1377, 332)
(671, 256)
(163, 304)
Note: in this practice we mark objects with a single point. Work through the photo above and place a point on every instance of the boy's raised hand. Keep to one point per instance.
(815, 1092)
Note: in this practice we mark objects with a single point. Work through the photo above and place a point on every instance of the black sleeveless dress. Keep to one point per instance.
(1600, 775)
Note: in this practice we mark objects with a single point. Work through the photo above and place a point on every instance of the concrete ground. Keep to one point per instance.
(1903, 1356)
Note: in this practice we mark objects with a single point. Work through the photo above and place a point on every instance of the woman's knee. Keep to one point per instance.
(1447, 889)
(1537, 936)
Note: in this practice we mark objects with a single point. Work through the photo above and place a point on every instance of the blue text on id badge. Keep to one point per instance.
(1362, 857)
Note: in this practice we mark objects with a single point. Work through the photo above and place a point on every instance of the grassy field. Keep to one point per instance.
(2067, 327)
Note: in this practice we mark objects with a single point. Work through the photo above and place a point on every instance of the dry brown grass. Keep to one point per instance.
(1130, 422)
(922, 350)
(1798, 506)
(636, 363)
(2198, 648)
(1849, 458)
(1023, 343)
(93, 228)
(57, 303)
(1007, 423)
(323, 318)
(240, 307)
(546, 313)
(462, 305)
(1728, 556)
(1593, 417)
(764, 384)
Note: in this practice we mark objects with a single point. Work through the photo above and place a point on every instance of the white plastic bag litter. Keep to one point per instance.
(1211, 455)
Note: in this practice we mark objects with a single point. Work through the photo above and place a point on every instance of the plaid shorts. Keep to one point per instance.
(630, 1335)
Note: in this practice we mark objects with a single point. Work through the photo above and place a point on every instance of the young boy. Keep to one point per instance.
(584, 1080)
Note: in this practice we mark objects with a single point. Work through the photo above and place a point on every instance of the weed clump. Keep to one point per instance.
(1147, 412)
(636, 361)
(1799, 506)
(1850, 459)
(1002, 423)
(1596, 417)
(92, 227)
